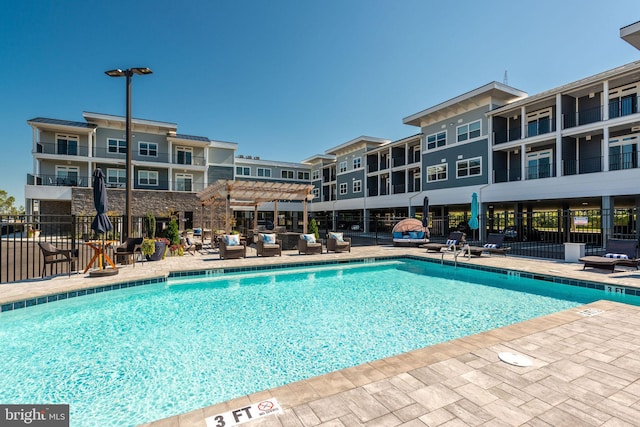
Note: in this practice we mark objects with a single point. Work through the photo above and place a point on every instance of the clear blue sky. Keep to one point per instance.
(286, 79)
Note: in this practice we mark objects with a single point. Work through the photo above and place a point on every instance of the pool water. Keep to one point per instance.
(134, 355)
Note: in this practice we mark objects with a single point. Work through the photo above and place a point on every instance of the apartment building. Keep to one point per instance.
(169, 168)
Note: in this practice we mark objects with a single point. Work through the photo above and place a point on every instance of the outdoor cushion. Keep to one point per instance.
(413, 235)
(232, 239)
(490, 245)
(397, 234)
(617, 256)
(338, 236)
(311, 238)
(269, 238)
(451, 242)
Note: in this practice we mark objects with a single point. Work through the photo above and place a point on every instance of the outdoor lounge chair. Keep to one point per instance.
(617, 252)
(410, 231)
(188, 245)
(455, 238)
(307, 245)
(232, 247)
(336, 242)
(53, 255)
(492, 246)
(128, 250)
(268, 245)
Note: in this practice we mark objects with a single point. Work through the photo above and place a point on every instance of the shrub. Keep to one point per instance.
(150, 224)
(313, 228)
(172, 233)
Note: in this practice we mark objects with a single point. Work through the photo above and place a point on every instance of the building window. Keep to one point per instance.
(118, 146)
(623, 153)
(67, 144)
(539, 122)
(148, 178)
(66, 176)
(437, 173)
(184, 155)
(243, 171)
(342, 167)
(623, 101)
(436, 140)
(470, 167)
(357, 163)
(149, 149)
(303, 175)
(316, 192)
(264, 172)
(357, 186)
(184, 182)
(539, 164)
(286, 174)
(468, 131)
(315, 174)
(116, 177)
(343, 188)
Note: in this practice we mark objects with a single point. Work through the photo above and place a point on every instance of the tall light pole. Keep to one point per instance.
(128, 73)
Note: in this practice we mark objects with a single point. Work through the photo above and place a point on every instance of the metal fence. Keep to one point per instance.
(531, 234)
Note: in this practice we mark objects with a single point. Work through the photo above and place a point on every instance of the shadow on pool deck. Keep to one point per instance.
(586, 369)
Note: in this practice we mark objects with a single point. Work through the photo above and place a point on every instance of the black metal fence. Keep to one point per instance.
(531, 234)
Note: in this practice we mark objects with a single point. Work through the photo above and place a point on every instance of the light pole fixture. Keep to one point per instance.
(128, 73)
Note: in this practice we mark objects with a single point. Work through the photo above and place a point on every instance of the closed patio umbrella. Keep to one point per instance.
(425, 212)
(101, 223)
(473, 222)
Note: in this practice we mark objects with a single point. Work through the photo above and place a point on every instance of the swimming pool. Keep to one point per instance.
(139, 354)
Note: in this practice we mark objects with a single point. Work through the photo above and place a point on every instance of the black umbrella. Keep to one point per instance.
(425, 212)
(101, 223)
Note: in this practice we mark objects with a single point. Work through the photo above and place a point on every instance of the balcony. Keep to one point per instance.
(584, 117)
(398, 161)
(62, 150)
(582, 166)
(531, 172)
(540, 127)
(85, 181)
(59, 181)
(500, 137)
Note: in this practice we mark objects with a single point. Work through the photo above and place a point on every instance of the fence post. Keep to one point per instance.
(375, 226)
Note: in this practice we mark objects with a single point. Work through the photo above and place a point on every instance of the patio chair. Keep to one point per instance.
(336, 242)
(268, 245)
(492, 246)
(188, 245)
(53, 255)
(128, 250)
(307, 245)
(456, 238)
(617, 252)
(231, 247)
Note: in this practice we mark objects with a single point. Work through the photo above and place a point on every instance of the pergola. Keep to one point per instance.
(232, 193)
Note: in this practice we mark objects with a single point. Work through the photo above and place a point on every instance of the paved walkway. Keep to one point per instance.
(585, 372)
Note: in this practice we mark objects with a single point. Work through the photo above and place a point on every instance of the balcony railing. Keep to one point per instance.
(583, 117)
(62, 150)
(85, 181)
(512, 134)
(398, 161)
(540, 127)
(578, 167)
(530, 172)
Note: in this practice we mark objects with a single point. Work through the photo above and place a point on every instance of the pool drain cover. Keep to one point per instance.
(514, 359)
(590, 312)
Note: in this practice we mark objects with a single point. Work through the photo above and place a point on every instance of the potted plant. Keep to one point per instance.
(148, 247)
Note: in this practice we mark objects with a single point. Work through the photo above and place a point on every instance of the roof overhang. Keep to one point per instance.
(253, 193)
(631, 34)
(111, 120)
(354, 144)
(494, 89)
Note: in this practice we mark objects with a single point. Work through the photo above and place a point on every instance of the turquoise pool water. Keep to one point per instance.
(129, 356)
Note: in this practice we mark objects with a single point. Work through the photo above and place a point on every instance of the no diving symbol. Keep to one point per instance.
(265, 406)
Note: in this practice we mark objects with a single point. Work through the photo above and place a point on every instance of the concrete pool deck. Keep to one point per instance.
(586, 366)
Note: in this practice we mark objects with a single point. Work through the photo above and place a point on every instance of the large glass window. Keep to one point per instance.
(184, 182)
(437, 173)
(67, 144)
(116, 177)
(303, 175)
(118, 146)
(623, 153)
(436, 140)
(184, 155)
(469, 131)
(469, 167)
(149, 149)
(66, 176)
(623, 101)
(539, 164)
(148, 178)
(264, 172)
(539, 122)
(286, 174)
